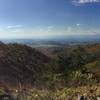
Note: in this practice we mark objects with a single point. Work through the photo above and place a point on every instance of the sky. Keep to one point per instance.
(49, 18)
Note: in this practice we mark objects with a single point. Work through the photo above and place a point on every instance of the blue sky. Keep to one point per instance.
(49, 18)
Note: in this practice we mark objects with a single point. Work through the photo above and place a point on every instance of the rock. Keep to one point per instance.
(81, 98)
(98, 98)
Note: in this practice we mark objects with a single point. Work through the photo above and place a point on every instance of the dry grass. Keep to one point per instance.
(63, 94)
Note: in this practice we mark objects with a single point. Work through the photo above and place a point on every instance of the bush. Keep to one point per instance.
(76, 75)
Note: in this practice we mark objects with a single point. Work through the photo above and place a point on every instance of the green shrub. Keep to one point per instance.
(76, 75)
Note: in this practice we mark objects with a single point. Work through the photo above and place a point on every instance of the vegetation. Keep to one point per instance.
(28, 74)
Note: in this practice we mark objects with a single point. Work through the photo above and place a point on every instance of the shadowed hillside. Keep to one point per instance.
(21, 64)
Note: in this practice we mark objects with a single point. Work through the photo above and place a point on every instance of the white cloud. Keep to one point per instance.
(78, 24)
(17, 31)
(78, 2)
(14, 26)
(50, 27)
(46, 29)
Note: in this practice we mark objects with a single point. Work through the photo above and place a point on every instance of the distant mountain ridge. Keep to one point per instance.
(62, 40)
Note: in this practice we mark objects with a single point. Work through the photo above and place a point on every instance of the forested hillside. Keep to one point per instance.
(25, 68)
(21, 64)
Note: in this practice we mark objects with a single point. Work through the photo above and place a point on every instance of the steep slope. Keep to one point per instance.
(21, 64)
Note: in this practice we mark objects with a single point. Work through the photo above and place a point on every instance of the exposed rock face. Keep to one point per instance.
(20, 63)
